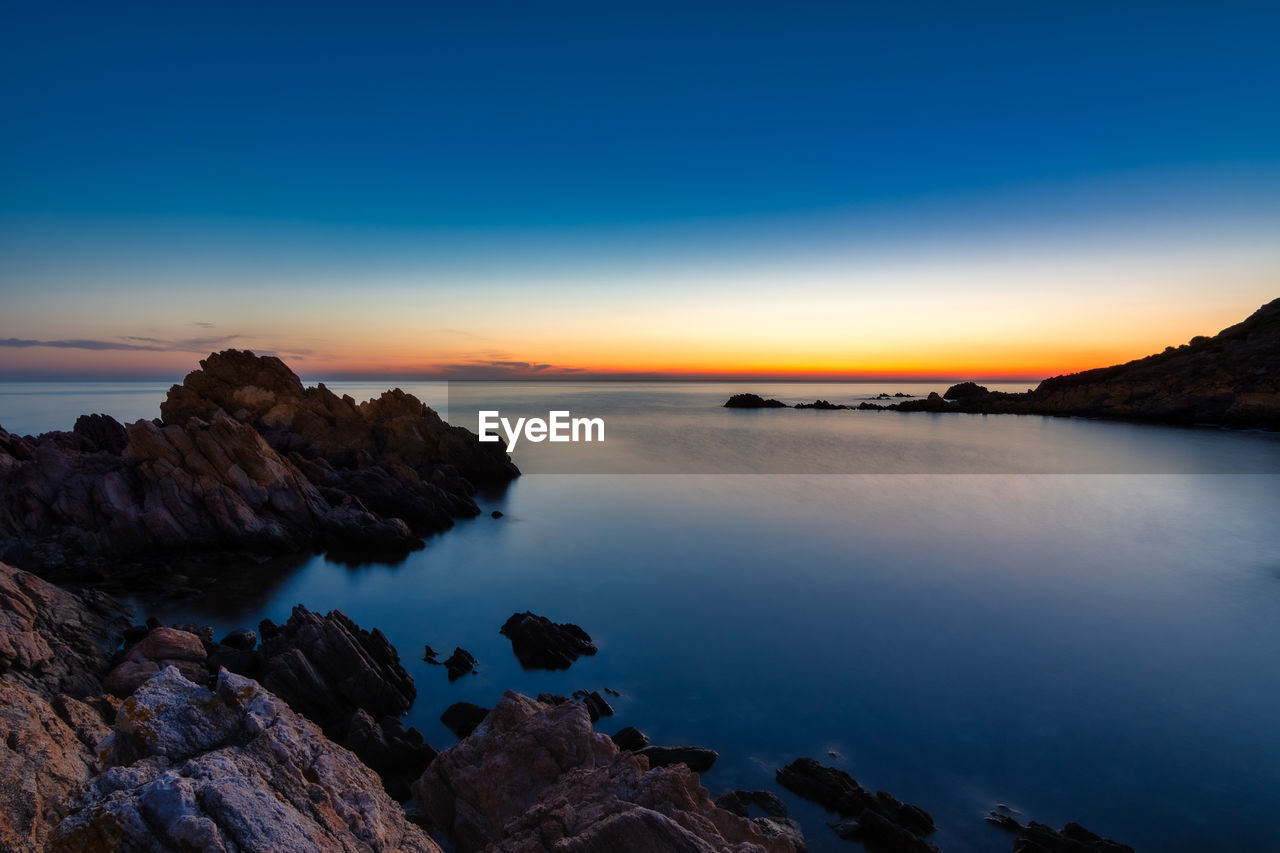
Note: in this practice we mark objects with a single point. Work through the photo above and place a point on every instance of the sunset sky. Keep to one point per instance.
(478, 190)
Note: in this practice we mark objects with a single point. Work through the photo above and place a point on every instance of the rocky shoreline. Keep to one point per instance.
(1229, 380)
(121, 736)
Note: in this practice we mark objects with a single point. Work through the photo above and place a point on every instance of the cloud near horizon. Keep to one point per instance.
(129, 343)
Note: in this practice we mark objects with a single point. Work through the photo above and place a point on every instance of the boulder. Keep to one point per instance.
(539, 643)
(630, 739)
(536, 777)
(160, 648)
(231, 768)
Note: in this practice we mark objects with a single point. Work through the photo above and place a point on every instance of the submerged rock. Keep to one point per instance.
(539, 643)
(229, 769)
(696, 758)
(536, 777)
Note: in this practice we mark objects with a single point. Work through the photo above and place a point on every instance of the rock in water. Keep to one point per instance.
(696, 758)
(876, 819)
(459, 663)
(537, 776)
(752, 401)
(540, 643)
(228, 769)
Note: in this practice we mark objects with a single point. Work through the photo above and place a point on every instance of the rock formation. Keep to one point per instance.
(229, 769)
(540, 643)
(1039, 838)
(244, 460)
(877, 819)
(752, 401)
(536, 776)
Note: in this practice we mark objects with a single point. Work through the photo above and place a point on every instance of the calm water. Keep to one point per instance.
(1074, 618)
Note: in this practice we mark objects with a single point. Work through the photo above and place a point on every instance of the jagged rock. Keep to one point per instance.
(102, 433)
(875, 818)
(537, 777)
(1039, 838)
(773, 822)
(327, 667)
(229, 769)
(160, 648)
(238, 466)
(55, 641)
(398, 755)
(463, 718)
(821, 405)
(696, 758)
(539, 643)
(752, 401)
(459, 664)
(595, 704)
(630, 738)
(43, 759)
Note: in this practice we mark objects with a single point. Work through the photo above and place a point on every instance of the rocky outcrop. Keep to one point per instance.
(459, 663)
(822, 406)
(231, 768)
(772, 820)
(697, 758)
(239, 466)
(875, 819)
(536, 777)
(539, 643)
(53, 640)
(752, 401)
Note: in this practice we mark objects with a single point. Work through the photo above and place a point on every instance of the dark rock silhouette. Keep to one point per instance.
(540, 643)
(459, 664)
(630, 738)
(1231, 379)
(876, 819)
(696, 758)
(244, 460)
(752, 401)
(821, 405)
(965, 389)
(463, 718)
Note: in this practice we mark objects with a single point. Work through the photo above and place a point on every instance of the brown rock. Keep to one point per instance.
(536, 777)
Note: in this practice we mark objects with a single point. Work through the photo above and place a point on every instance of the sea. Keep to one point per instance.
(1076, 619)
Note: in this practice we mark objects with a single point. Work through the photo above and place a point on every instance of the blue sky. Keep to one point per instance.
(523, 147)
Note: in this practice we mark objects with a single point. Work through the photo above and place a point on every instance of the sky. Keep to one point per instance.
(696, 190)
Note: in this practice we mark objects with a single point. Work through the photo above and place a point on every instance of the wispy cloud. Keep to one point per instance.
(495, 368)
(133, 343)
